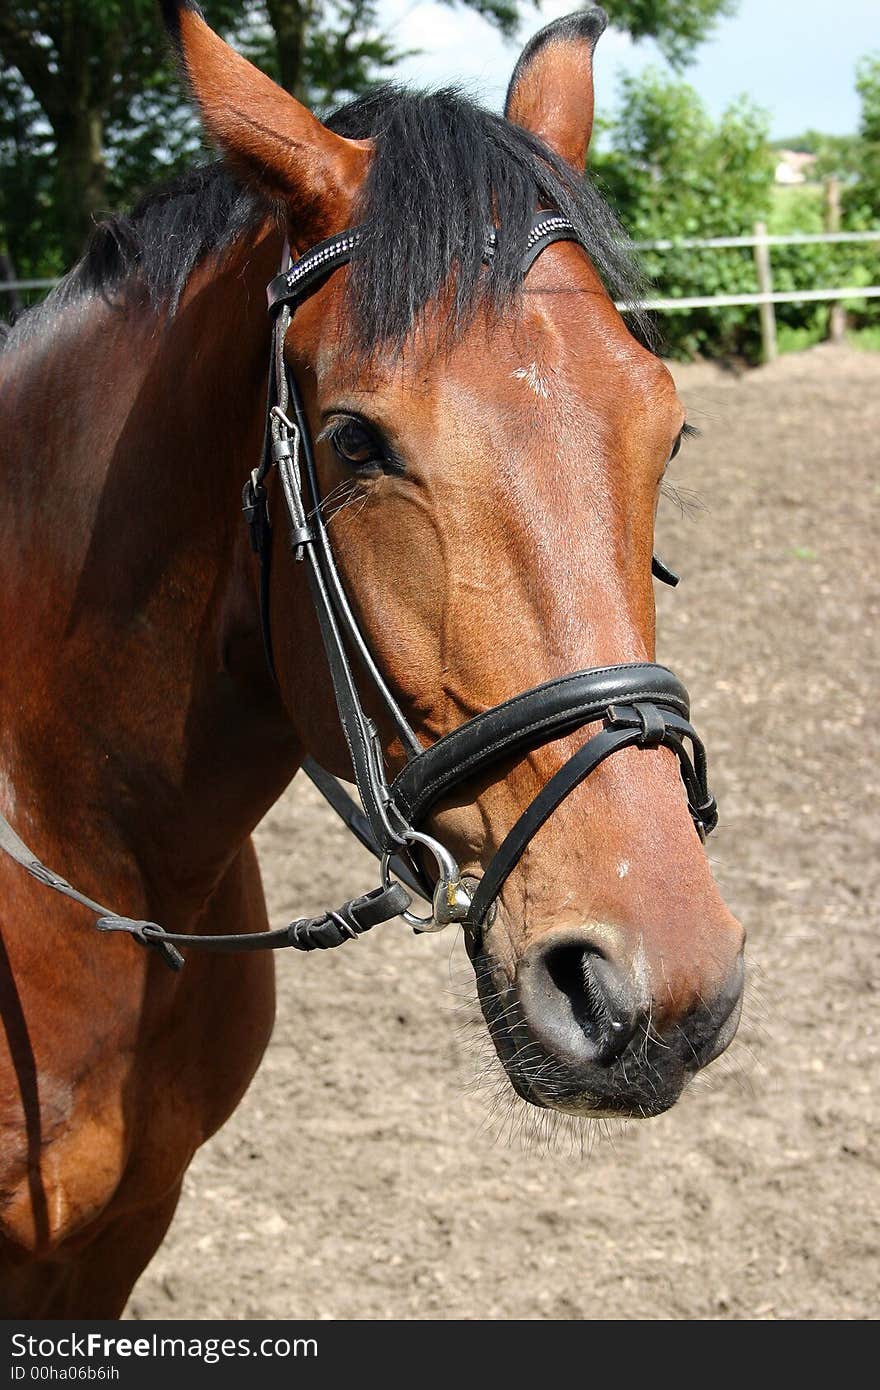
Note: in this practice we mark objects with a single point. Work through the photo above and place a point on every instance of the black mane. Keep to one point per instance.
(155, 247)
(444, 170)
(165, 236)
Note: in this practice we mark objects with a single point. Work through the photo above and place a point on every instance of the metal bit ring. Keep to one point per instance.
(451, 899)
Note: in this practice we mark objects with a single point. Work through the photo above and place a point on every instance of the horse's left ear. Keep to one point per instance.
(271, 138)
(551, 91)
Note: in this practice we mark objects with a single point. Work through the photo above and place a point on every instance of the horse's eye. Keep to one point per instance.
(686, 432)
(357, 445)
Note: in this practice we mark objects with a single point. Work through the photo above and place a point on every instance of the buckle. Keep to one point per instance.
(255, 509)
(252, 495)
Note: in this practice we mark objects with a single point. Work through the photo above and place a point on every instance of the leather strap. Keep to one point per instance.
(332, 928)
(643, 725)
(310, 270)
(304, 276)
(513, 846)
(310, 543)
(16, 848)
(532, 718)
(354, 819)
(664, 573)
(323, 554)
(547, 227)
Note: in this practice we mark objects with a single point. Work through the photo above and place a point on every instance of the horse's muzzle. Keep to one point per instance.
(576, 1032)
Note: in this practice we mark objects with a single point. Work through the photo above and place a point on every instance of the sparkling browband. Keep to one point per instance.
(304, 274)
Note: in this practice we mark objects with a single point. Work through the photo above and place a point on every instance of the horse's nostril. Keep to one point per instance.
(577, 1004)
(600, 998)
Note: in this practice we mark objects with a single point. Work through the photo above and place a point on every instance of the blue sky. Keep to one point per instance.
(796, 58)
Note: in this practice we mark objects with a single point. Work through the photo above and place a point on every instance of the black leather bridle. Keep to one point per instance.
(641, 705)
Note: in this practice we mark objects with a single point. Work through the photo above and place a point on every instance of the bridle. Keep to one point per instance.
(640, 705)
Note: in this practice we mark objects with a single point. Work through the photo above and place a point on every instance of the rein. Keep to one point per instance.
(641, 705)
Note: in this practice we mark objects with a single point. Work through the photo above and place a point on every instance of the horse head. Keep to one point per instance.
(490, 444)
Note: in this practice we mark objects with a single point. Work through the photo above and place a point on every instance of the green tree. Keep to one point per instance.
(74, 69)
(91, 109)
(837, 156)
(26, 210)
(679, 26)
(862, 199)
(323, 49)
(673, 173)
(324, 52)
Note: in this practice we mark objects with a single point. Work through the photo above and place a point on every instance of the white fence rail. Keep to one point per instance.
(764, 299)
(12, 285)
(770, 297)
(769, 239)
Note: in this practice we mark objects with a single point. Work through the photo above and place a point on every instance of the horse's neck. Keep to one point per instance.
(133, 693)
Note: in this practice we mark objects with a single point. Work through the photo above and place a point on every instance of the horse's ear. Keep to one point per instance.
(271, 138)
(551, 91)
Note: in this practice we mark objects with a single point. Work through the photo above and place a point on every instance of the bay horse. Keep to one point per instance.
(489, 442)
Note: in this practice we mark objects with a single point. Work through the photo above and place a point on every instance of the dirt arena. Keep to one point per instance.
(372, 1171)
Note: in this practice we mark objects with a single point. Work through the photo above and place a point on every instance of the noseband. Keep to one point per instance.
(639, 705)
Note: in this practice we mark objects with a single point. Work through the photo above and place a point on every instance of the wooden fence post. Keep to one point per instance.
(837, 316)
(765, 285)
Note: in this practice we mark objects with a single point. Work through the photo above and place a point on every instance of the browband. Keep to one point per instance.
(304, 276)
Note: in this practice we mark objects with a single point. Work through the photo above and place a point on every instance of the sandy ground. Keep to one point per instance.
(366, 1175)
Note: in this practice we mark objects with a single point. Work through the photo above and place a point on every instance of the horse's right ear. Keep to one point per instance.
(551, 91)
(271, 138)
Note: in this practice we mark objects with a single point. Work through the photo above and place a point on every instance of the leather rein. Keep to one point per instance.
(640, 705)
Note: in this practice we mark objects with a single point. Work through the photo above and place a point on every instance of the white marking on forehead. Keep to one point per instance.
(623, 868)
(532, 377)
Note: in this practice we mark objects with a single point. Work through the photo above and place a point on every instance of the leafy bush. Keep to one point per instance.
(862, 199)
(673, 173)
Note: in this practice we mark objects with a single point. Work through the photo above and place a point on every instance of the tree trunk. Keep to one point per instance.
(290, 20)
(13, 305)
(80, 176)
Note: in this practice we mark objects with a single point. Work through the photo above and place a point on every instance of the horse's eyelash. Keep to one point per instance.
(327, 432)
(333, 427)
(689, 431)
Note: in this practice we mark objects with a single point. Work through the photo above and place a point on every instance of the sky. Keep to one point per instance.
(795, 58)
